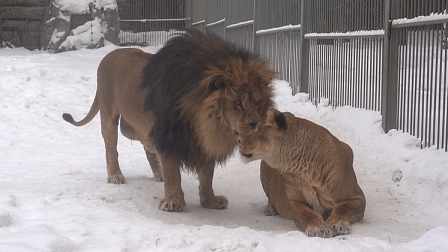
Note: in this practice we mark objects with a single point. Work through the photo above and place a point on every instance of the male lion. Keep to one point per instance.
(186, 104)
(306, 173)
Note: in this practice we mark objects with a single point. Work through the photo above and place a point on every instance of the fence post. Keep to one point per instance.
(305, 50)
(188, 13)
(390, 68)
(254, 37)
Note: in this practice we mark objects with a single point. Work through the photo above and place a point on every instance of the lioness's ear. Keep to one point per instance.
(280, 120)
(276, 119)
(216, 84)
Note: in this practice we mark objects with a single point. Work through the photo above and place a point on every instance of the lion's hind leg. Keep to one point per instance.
(344, 214)
(109, 130)
(128, 131)
(155, 165)
(309, 221)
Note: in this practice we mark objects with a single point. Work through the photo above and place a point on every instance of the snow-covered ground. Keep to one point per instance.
(54, 195)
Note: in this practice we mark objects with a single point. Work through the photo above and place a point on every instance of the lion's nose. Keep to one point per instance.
(253, 124)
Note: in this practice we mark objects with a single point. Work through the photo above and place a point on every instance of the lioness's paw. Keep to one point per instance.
(324, 232)
(218, 202)
(341, 228)
(270, 210)
(116, 179)
(172, 205)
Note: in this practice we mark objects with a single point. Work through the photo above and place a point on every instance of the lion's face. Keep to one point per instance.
(236, 100)
(270, 139)
(245, 94)
(245, 110)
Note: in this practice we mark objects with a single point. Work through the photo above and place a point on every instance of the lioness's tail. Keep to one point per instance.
(92, 113)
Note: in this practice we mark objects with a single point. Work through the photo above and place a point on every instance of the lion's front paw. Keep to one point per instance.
(341, 227)
(218, 202)
(172, 205)
(322, 231)
(115, 179)
(270, 210)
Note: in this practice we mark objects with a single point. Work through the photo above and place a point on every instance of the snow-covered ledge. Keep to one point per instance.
(63, 31)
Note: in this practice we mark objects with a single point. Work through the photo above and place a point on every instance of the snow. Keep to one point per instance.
(85, 35)
(244, 23)
(420, 19)
(54, 195)
(361, 33)
(279, 29)
(217, 22)
(82, 6)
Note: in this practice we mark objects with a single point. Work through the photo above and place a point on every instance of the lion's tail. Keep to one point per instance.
(92, 113)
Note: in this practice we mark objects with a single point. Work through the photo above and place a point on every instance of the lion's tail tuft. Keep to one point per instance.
(68, 118)
(93, 111)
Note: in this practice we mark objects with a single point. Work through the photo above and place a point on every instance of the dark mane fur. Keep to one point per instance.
(174, 71)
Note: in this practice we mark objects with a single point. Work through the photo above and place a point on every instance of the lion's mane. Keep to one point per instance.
(187, 66)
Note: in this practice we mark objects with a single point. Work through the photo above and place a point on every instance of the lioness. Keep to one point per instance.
(186, 104)
(306, 173)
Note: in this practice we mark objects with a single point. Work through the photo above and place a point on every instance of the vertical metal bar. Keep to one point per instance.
(373, 74)
(414, 119)
(351, 69)
(426, 85)
(359, 65)
(432, 120)
(434, 84)
(390, 70)
(441, 123)
(345, 71)
(1, 24)
(305, 50)
(402, 82)
(254, 16)
(408, 78)
(445, 109)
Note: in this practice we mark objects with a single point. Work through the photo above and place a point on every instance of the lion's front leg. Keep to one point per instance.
(208, 198)
(174, 196)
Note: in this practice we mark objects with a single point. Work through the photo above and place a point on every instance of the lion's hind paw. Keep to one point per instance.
(270, 210)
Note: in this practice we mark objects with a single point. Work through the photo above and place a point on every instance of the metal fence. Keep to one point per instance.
(150, 22)
(383, 55)
(418, 70)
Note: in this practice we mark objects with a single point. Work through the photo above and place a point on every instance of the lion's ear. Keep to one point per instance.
(276, 119)
(216, 84)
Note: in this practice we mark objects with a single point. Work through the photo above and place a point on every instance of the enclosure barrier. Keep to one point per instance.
(150, 22)
(383, 55)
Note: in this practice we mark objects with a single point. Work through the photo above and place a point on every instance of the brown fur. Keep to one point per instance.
(306, 173)
(181, 107)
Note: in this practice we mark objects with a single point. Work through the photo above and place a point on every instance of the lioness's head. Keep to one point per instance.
(271, 140)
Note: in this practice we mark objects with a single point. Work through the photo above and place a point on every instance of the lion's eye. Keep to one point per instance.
(259, 103)
(238, 103)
